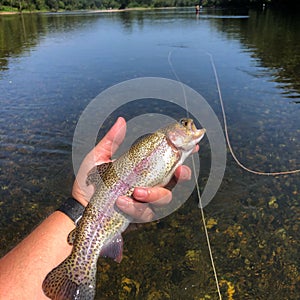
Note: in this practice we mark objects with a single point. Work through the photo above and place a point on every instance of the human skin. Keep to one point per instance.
(23, 269)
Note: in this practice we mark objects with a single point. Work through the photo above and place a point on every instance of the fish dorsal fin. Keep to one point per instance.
(139, 139)
(96, 173)
(114, 249)
(71, 236)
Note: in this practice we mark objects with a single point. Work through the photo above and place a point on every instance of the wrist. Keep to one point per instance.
(73, 209)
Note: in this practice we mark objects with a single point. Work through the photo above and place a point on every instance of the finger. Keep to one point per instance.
(140, 212)
(157, 196)
(183, 173)
(196, 149)
(111, 141)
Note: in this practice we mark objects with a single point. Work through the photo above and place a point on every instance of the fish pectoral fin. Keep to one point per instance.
(71, 236)
(114, 249)
(96, 173)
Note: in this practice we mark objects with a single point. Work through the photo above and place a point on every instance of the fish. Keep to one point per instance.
(149, 162)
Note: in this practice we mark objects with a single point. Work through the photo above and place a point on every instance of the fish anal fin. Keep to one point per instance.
(96, 173)
(114, 249)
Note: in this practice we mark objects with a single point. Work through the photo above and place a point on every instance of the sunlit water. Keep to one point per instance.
(53, 65)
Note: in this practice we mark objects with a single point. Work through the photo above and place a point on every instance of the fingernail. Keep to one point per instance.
(187, 176)
(141, 193)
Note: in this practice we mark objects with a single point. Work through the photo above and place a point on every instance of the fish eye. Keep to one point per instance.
(184, 122)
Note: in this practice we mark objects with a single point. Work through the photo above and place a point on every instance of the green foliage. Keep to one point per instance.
(7, 8)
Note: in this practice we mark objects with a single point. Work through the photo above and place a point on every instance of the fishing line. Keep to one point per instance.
(227, 135)
(178, 79)
(198, 189)
(239, 163)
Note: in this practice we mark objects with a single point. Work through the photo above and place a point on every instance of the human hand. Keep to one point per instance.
(139, 206)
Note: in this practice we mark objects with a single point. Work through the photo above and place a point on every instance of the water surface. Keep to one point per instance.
(53, 65)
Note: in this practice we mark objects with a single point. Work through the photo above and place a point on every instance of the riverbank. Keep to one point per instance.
(86, 11)
(8, 12)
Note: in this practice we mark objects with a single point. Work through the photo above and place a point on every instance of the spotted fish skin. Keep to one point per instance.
(150, 162)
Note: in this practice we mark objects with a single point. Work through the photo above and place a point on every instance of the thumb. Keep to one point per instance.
(111, 141)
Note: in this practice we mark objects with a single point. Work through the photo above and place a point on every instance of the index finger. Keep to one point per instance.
(156, 195)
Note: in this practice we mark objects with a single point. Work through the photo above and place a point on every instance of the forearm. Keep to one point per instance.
(24, 268)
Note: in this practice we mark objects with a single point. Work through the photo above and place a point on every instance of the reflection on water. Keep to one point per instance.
(21, 33)
(276, 47)
(53, 65)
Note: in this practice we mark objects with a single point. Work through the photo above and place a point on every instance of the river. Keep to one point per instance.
(53, 65)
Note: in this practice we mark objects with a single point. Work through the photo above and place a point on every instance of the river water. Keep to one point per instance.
(53, 65)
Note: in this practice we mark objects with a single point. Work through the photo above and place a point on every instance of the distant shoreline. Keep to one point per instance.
(86, 11)
(9, 12)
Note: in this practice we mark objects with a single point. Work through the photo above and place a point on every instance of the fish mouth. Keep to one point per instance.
(198, 133)
(190, 125)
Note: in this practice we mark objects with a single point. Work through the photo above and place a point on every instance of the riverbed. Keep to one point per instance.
(53, 65)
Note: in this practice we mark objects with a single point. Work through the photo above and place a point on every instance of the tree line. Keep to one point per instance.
(56, 5)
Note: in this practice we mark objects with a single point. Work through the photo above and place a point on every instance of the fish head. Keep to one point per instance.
(184, 135)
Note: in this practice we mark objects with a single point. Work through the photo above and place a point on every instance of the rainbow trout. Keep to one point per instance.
(150, 162)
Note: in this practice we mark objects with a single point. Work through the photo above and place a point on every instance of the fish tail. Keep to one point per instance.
(67, 283)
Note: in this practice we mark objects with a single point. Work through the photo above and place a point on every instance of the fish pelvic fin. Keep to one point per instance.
(114, 249)
(63, 283)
